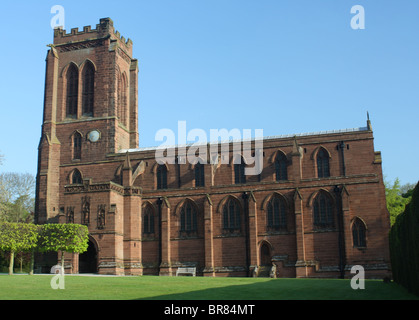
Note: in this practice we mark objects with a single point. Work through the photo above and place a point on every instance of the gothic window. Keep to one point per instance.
(76, 177)
(199, 175)
(188, 218)
(359, 234)
(122, 99)
(88, 89)
(281, 167)
(161, 177)
(277, 214)
(148, 220)
(101, 222)
(323, 211)
(323, 170)
(239, 176)
(76, 146)
(231, 216)
(72, 91)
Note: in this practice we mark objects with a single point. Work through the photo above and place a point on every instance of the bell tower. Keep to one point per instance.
(90, 105)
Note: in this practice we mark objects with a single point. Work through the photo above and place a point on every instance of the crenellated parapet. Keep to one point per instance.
(105, 29)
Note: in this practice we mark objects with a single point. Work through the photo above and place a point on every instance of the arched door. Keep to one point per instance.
(265, 255)
(88, 259)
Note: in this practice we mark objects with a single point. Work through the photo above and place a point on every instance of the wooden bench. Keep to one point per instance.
(191, 271)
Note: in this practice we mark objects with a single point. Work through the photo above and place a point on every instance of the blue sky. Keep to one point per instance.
(286, 67)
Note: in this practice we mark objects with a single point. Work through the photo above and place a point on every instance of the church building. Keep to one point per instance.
(315, 210)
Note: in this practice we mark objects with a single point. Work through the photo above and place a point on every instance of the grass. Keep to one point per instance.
(37, 287)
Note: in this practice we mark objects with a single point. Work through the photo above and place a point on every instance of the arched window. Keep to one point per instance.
(161, 177)
(239, 176)
(199, 175)
(88, 89)
(188, 218)
(231, 216)
(122, 99)
(76, 177)
(148, 220)
(359, 234)
(281, 167)
(76, 146)
(72, 91)
(323, 211)
(323, 170)
(277, 214)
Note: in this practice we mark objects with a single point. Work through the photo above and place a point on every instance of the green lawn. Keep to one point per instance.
(193, 288)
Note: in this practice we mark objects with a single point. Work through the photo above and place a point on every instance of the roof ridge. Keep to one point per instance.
(358, 129)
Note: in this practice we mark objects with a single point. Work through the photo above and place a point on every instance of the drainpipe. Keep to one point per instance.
(341, 234)
(342, 150)
(159, 203)
(178, 171)
(245, 197)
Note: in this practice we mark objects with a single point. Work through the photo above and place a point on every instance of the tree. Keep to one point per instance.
(23, 257)
(397, 199)
(69, 237)
(17, 237)
(406, 190)
(17, 196)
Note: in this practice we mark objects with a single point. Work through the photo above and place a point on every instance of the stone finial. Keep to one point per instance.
(127, 162)
(296, 149)
(369, 126)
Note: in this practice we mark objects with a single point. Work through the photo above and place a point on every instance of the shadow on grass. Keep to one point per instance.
(296, 289)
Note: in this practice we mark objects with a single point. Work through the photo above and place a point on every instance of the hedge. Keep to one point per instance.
(404, 246)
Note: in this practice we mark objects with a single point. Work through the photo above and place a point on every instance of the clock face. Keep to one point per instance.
(94, 135)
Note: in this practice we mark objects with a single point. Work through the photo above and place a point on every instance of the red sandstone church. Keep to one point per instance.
(317, 208)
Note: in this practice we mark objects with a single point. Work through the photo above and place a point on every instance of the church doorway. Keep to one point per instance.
(265, 255)
(88, 259)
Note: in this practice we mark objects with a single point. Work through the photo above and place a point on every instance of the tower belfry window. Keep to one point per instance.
(88, 89)
(122, 99)
(77, 146)
(72, 91)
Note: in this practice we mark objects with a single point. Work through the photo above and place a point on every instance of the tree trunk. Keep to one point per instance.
(62, 262)
(12, 258)
(32, 262)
